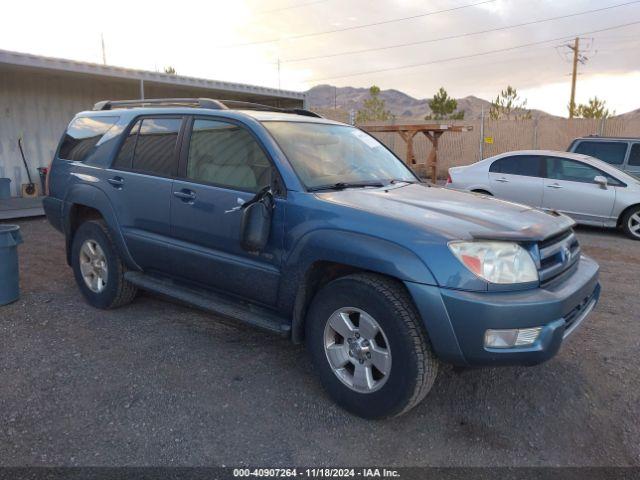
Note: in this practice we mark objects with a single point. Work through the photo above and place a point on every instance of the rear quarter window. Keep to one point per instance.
(83, 135)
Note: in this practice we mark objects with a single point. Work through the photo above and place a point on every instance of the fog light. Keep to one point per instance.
(511, 338)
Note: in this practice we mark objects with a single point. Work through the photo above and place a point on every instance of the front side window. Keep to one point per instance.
(83, 135)
(227, 155)
(610, 152)
(574, 171)
(525, 165)
(324, 154)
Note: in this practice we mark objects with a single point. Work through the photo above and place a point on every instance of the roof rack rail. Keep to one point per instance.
(161, 102)
(199, 103)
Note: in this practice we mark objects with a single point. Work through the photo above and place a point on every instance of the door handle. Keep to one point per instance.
(554, 185)
(116, 182)
(187, 196)
(502, 179)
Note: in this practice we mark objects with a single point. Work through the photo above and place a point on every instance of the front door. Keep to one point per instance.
(223, 167)
(570, 188)
(517, 178)
(139, 187)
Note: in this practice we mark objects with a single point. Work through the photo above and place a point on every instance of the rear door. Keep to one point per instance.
(569, 188)
(517, 178)
(140, 181)
(222, 167)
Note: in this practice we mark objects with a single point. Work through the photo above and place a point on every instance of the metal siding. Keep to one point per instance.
(39, 105)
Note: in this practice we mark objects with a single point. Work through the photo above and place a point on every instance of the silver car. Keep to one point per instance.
(585, 188)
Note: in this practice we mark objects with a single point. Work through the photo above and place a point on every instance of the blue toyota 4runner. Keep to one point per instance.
(314, 230)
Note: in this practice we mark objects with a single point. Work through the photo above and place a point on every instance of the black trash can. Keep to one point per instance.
(10, 238)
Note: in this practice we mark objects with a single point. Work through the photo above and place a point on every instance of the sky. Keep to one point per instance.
(322, 41)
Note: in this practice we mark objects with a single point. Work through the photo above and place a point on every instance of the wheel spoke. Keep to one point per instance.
(341, 323)
(362, 377)
(367, 327)
(381, 359)
(636, 217)
(85, 268)
(337, 354)
(91, 247)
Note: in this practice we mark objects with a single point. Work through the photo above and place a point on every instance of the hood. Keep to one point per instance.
(453, 214)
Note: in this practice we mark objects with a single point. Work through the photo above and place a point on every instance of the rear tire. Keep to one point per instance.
(98, 269)
(359, 301)
(631, 222)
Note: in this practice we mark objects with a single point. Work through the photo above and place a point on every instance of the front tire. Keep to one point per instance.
(631, 223)
(98, 269)
(367, 343)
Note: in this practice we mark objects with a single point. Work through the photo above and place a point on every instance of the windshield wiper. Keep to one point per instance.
(343, 185)
(399, 180)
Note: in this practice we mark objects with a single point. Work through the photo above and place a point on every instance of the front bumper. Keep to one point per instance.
(456, 320)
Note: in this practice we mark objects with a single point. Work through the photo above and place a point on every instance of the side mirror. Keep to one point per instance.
(255, 226)
(600, 180)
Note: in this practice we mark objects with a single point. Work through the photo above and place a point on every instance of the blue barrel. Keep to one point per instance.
(10, 238)
(5, 188)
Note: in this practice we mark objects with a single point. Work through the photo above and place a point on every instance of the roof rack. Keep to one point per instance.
(160, 102)
(199, 103)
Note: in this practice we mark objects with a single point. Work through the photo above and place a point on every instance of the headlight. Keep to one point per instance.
(496, 262)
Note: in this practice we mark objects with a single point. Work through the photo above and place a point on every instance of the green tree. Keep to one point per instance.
(170, 70)
(443, 107)
(373, 108)
(595, 108)
(509, 105)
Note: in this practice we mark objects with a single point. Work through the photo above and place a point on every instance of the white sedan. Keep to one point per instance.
(585, 188)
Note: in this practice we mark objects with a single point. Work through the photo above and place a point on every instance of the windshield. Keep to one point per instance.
(324, 155)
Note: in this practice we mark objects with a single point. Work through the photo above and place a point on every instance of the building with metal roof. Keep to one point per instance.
(39, 96)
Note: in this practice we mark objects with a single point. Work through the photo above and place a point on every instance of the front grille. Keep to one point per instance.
(557, 255)
(570, 317)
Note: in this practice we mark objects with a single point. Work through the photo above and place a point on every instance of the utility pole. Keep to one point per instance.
(574, 74)
(279, 73)
(579, 54)
(104, 54)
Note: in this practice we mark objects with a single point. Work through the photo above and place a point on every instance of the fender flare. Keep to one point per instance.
(355, 250)
(91, 196)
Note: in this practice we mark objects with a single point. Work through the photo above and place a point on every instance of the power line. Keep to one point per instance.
(291, 7)
(356, 27)
(462, 57)
(451, 37)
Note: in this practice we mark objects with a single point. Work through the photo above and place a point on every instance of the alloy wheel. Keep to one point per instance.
(93, 266)
(357, 350)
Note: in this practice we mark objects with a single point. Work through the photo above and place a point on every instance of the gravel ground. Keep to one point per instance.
(156, 383)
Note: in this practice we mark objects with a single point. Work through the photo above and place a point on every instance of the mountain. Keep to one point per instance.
(403, 106)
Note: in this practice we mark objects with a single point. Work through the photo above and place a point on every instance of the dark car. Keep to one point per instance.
(314, 230)
(621, 152)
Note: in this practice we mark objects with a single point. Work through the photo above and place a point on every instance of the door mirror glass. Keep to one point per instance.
(600, 180)
(255, 226)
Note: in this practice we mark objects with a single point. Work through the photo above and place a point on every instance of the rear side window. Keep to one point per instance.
(634, 156)
(83, 135)
(610, 152)
(525, 165)
(151, 146)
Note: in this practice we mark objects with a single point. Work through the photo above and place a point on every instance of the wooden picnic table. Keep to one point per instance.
(432, 131)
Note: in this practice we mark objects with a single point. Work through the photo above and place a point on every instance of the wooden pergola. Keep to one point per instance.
(432, 131)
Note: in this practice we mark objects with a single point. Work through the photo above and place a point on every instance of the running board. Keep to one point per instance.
(212, 302)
